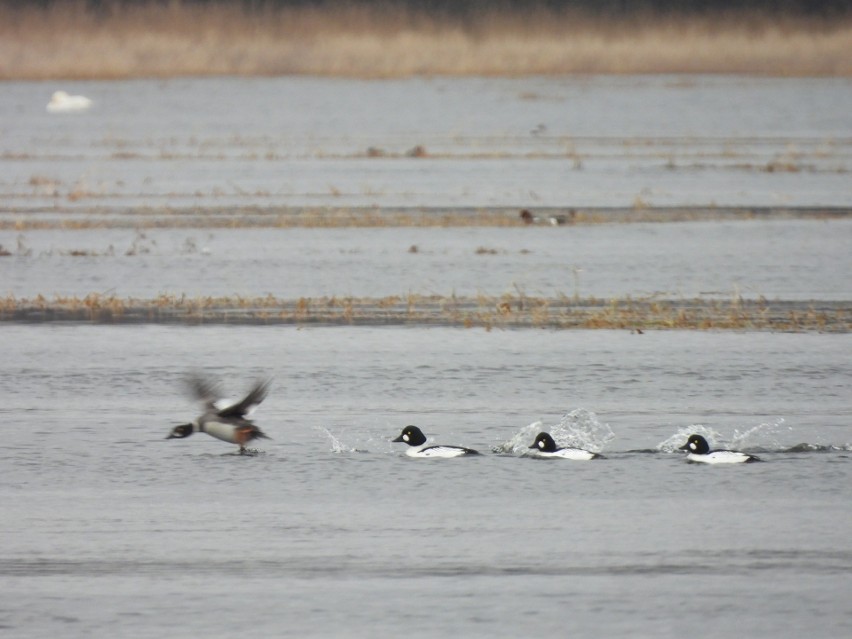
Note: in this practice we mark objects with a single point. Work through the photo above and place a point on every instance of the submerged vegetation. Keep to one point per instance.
(89, 40)
(484, 311)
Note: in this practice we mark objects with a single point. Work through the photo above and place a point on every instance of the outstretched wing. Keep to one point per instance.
(256, 395)
(203, 389)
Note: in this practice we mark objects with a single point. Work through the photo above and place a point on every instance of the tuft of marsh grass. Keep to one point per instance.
(76, 40)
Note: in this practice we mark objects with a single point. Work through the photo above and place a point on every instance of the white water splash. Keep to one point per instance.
(673, 443)
(520, 441)
(765, 435)
(579, 428)
(337, 446)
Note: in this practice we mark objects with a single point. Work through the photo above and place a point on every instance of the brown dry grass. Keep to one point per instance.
(173, 39)
(488, 312)
(370, 217)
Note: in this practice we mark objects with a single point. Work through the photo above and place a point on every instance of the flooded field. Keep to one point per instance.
(636, 142)
(770, 274)
(361, 244)
(196, 188)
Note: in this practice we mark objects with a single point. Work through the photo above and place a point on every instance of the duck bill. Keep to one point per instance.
(173, 434)
(398, 439)
(684, 447)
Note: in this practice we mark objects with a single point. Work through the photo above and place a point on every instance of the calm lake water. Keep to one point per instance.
(575, 141)
(109, 530)
(782, 259)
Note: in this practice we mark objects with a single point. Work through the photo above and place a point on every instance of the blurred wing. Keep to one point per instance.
(203, 389)
(256, 395)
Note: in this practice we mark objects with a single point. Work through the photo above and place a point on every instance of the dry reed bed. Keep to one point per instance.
(69, 41)
(488, 312)
(372, 217)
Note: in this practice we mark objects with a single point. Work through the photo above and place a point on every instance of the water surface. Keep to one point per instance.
(109, 529)
(781, 259)
(574, 141)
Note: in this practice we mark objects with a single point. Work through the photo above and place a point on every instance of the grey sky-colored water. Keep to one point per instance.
(780, 259)
(576, 141)
(110, 530)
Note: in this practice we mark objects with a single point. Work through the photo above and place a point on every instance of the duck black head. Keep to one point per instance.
(544, 442)
(182, 431)
(412, 436)
(696, 444)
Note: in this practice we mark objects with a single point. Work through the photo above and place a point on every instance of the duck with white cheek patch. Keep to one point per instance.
(417, 447)
(699, 451)
(546, 448)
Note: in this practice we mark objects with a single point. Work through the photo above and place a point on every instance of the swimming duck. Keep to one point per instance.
(554, 220)
(545, 447)
(699, 451)
(417, 447)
